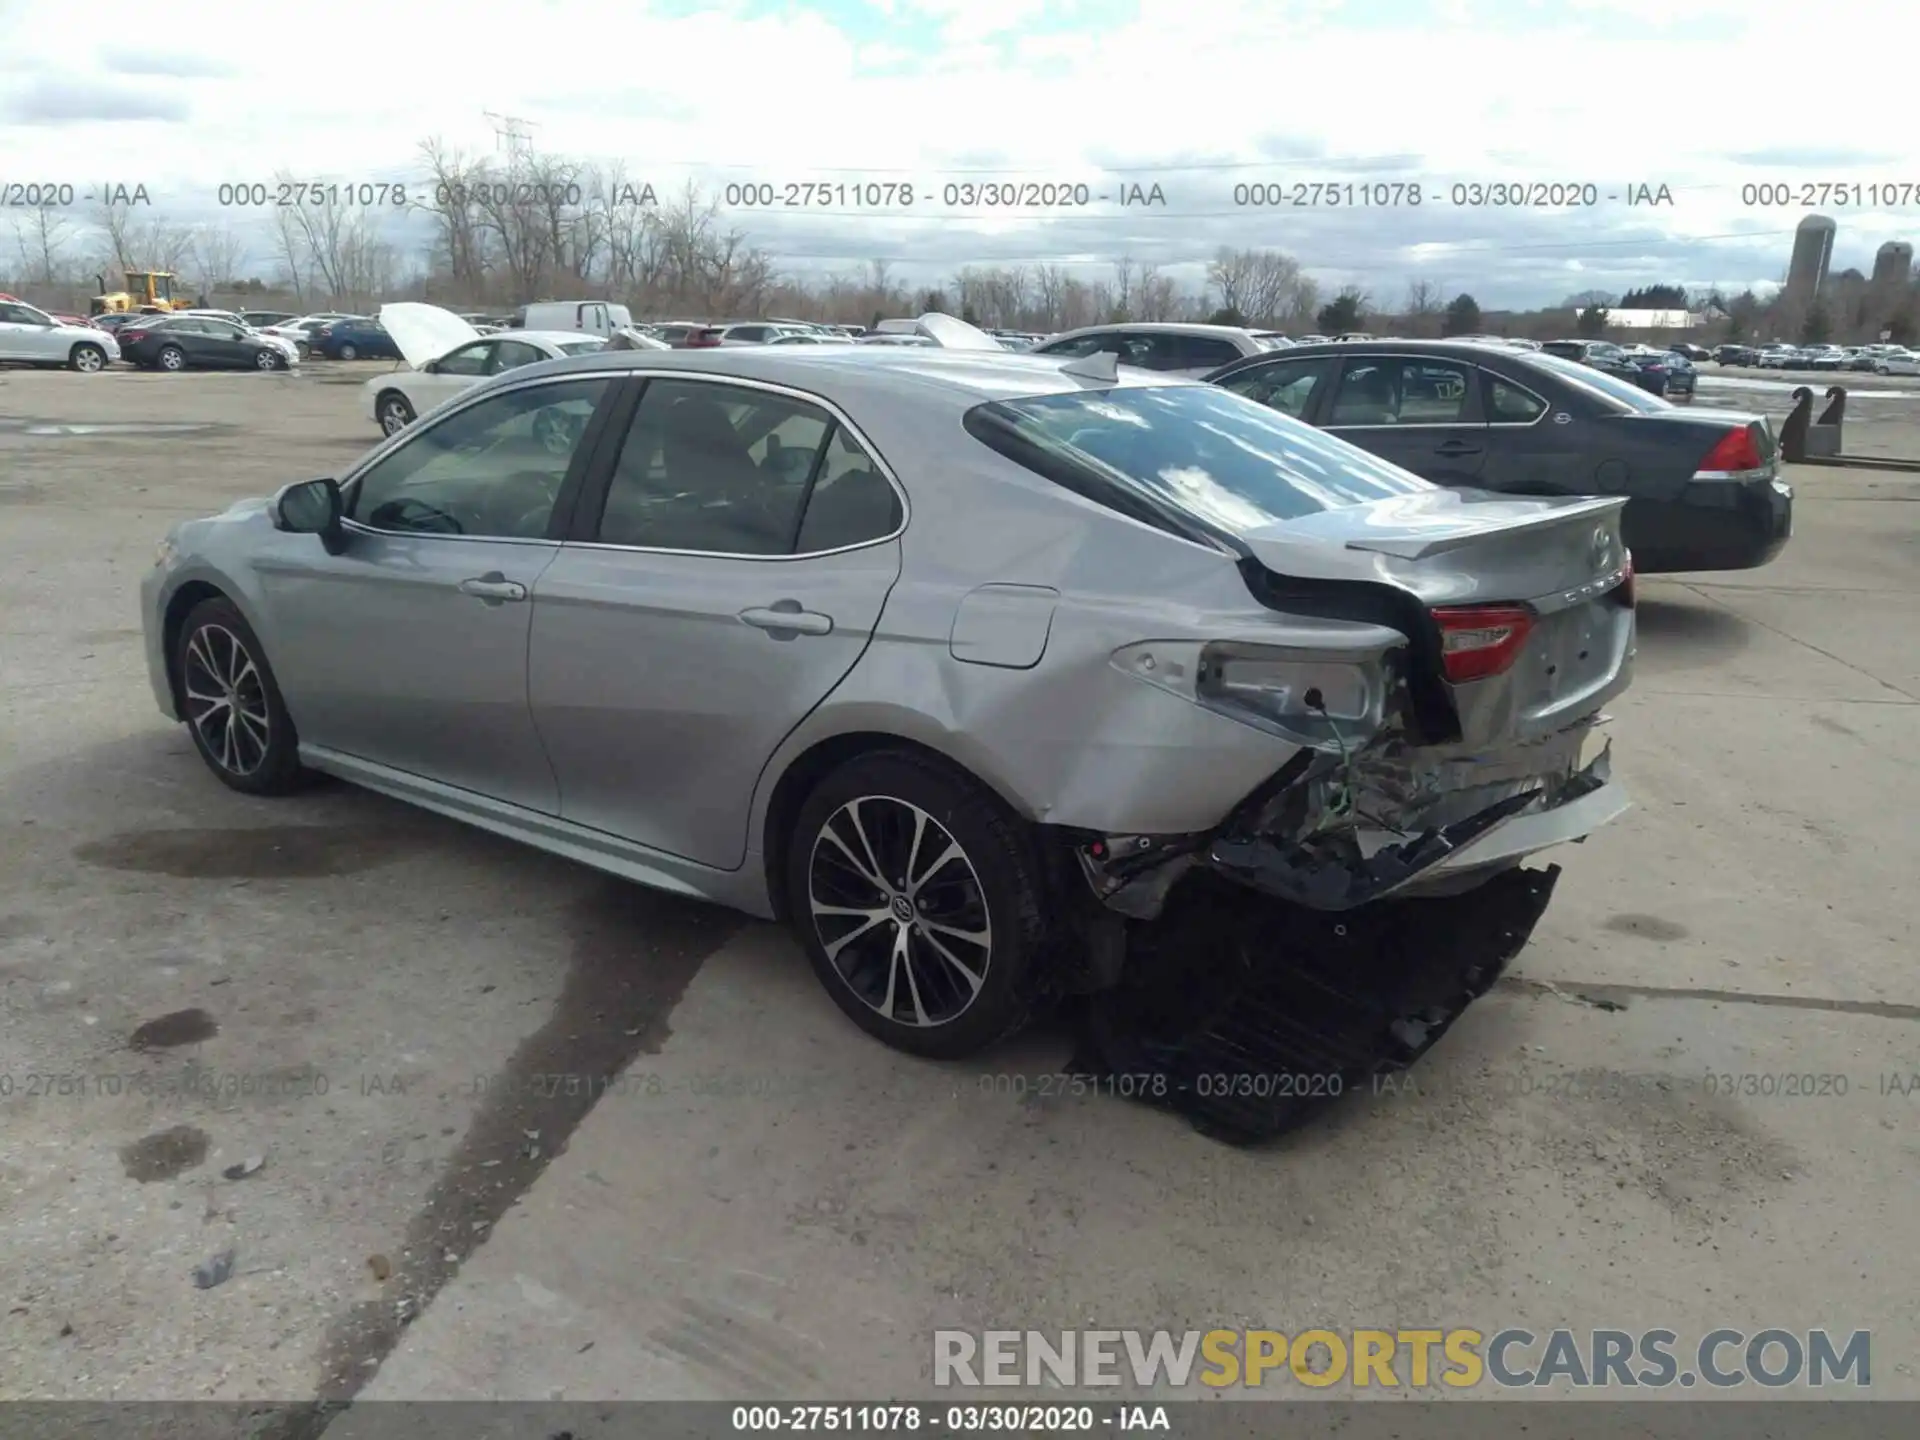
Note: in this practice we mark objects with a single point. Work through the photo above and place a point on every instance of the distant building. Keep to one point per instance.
(1892, 266)
(1655, 319)
(1812, 252)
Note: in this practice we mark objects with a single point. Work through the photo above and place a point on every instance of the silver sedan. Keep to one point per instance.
(969, 664)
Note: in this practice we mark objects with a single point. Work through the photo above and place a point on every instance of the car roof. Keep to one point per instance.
(550, 337)
(858, 376)
(1159, 327)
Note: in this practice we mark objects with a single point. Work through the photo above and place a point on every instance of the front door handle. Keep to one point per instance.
(493, 587)
(1458, 447)
(784, 619)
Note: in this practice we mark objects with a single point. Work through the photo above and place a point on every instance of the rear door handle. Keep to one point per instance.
(493, 587)
(784, 619)
(1458, 447)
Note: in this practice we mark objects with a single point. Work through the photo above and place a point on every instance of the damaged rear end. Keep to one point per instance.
(1433, 667)
(1450, 723)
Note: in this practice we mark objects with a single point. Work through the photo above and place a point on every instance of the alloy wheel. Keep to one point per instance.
(171, 359)
(347, 352)
(900, 911)
(267, 360)
(227, 700)
(89, 359)
(394, 416)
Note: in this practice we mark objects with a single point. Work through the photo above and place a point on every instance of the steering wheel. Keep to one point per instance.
(407, 513)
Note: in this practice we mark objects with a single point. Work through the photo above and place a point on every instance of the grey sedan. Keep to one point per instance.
(971, 665)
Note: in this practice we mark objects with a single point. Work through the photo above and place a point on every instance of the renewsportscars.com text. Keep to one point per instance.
(1456, 1358)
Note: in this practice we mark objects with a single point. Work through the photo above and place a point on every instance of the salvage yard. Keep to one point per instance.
(1694, 1102)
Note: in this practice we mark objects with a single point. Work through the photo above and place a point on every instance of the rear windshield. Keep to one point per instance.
(581, 347)
(1598, 382)
(1215, 457)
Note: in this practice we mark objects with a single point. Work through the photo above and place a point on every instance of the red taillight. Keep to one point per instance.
(1732, 453)
(703, 339)
(1623, 592)
(131, 335)
(1477, 641)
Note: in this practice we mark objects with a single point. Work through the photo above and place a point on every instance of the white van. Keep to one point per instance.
(590, 317)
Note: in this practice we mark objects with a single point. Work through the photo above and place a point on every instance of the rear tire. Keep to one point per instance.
(348, 352)
(87, 358)
(232, 703)
(172, 359)
(938, 956)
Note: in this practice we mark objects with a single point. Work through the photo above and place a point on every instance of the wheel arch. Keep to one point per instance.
(807, 769)
(173, 620)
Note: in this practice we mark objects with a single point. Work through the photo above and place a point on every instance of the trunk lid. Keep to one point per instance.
(1561, 562)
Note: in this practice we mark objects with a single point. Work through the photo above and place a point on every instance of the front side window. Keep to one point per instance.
(1224, 461)
(1289, 386)
(492, 469)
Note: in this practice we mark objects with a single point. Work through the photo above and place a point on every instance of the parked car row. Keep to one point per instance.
(1880, 359)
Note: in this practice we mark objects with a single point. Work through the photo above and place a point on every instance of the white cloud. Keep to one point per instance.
(1612, 91)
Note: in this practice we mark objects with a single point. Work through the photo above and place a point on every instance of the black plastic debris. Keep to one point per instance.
(1250, 1016)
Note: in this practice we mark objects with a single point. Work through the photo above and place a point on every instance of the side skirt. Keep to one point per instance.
(737, 889)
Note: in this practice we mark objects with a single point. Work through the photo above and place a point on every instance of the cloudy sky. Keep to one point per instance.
(1194, 96)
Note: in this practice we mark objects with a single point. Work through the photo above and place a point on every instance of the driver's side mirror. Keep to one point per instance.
(432, 367)
(313, 507)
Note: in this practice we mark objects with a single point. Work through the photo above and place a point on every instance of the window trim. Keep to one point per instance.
(1473, 396)
(594, 492)
(579, 468)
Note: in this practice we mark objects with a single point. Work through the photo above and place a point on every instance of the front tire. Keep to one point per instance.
(269, 360)
(918, 898)
(172, 358)
(394, 412)
(232, 703)
(87, 358)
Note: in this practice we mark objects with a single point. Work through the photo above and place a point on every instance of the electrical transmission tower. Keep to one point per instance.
(511, 134)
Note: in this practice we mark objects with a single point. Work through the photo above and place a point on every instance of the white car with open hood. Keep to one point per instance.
(446, 355)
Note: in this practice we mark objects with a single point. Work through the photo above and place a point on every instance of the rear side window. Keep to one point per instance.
(1203, 352)
(1222, 463)
(1508, 404)
(1084, 345)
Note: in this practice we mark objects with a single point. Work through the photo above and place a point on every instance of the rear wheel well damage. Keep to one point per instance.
(179, 607)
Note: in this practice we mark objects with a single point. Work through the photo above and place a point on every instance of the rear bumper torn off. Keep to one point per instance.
(1250, 1018)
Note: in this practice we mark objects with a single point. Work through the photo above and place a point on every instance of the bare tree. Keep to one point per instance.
(1424, 301)
(218, 254)
(42, 238)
